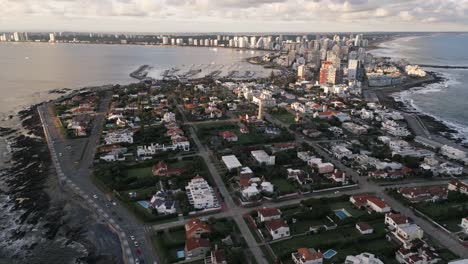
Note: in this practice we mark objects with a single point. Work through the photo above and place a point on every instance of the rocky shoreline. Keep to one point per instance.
(387, 97)
(41, 222)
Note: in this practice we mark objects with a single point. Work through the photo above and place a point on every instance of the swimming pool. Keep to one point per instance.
(329, 254)
(342, 213)
(180, 254)
(145, 204)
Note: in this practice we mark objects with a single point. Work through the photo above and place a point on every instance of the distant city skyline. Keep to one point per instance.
(233, 15)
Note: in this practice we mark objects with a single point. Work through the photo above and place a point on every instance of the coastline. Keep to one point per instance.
(393, 97)
(41, 222)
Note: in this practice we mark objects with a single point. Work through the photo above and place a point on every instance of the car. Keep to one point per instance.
(137, 261)
(95, 196)
(132, 237)
(60, 154)
(114, 203)
(136, 243)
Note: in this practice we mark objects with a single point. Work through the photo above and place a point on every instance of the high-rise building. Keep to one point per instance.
(165, 40)
(353, 66)
(301, 72)
(253, 42)
(51, 37)
(260, 110)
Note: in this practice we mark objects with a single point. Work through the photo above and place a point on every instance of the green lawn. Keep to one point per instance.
(345, 240)
(284, 116)
(139, 172)
(348, 207)
(284, 186)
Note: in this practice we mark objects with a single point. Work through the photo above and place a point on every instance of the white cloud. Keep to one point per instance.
(237, 15)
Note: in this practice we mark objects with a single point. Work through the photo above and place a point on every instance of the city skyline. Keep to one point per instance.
(234, 16)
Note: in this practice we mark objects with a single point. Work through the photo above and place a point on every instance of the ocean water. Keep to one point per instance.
(446, 101)
(29, 70)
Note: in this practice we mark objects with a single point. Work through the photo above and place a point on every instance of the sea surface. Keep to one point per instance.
(29, 70)
(446, 101)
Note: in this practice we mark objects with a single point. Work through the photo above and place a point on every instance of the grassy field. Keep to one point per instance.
(346, 240)
(284, 186)
(139, 172)
(284, 116)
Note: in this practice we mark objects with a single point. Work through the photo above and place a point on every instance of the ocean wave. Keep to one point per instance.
(405, 97)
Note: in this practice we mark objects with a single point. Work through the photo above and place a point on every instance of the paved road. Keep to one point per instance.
(244, 229)
(73, 160)
(439, 235)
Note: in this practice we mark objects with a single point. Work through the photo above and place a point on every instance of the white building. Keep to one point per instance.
(341, 152)
(452, 153)
(363, 258)
(277, 229)
(163, 203)
(464, 225)
(263, 158)
(200, 194)
(169, 117)
(354, 128)
(407, 233)
(119, 136)
(392, 128)
(231, 162)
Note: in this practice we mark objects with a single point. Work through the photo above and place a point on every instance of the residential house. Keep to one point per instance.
(363, 258)
(370, 201)
(229, 136)
(218, 256)
(277, 229)
(196, 228)
(424, 193)
(268, 214)
(394, 220)
(458, 186)
(407, 233)
(161, 169)
(341, 152)
(196, 248)
(307, 256)
(163, 203)
(364, 228)
(263, 158)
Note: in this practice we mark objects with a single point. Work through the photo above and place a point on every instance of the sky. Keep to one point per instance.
(234, 15)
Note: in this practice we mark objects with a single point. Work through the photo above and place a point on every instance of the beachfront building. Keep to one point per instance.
(452, 153)
(394, 129)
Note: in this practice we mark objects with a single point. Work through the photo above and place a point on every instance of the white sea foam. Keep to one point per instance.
(406, 98)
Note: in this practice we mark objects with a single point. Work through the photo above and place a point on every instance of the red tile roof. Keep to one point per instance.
(398, 218)
(307, 255)
(268, 212)
(275, 224)
(195, 224)
(377, 201)
(194, 243)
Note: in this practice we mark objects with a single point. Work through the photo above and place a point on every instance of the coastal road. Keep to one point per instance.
(73, 159)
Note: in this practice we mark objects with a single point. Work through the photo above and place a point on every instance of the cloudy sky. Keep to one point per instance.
(234, 15)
